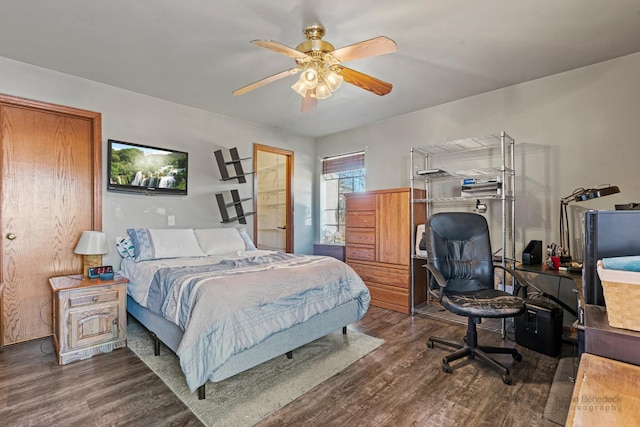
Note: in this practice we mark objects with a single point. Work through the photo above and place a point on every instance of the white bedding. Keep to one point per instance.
(226, 305)
(140, 274)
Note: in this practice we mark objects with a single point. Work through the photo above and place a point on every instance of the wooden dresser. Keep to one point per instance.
(378, 246)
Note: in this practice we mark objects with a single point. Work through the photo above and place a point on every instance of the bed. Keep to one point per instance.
(224, 306)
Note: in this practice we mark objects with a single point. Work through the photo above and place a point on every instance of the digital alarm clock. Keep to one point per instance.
(103, 272)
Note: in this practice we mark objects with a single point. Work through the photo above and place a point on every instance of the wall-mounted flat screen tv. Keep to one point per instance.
(145, 169)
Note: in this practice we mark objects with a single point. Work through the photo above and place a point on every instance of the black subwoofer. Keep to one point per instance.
(540, 327)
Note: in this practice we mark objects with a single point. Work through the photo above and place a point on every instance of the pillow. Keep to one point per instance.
(248, 243)
(217, 241)
(125, 247)
(159, 243)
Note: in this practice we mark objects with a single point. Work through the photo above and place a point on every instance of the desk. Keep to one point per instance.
(603, 340)
(605, 394)
(566, 293)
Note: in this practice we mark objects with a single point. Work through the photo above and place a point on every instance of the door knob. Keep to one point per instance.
(11, 236)
(283, 227)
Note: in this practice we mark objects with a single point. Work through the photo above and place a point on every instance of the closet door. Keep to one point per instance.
(51, 192)
(273, 200)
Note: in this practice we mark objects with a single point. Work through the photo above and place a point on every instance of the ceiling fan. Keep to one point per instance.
(320, 66)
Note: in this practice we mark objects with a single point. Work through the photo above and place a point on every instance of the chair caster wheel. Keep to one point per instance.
(446, 368)
(517, 357)
(507, 380)
(430, 344)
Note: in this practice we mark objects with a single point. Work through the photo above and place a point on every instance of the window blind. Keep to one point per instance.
(342, 163)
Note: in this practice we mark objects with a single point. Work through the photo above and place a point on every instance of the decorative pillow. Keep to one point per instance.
(159, 243)
(217, 241)
(125, 247)
(248, 243)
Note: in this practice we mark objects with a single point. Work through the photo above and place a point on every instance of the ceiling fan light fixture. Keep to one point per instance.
(322, 91)
(333, 80)
(299, 87)
(319, 65)
(309, 78)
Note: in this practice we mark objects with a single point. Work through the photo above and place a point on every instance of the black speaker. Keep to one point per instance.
(540, 327)
(532, 254)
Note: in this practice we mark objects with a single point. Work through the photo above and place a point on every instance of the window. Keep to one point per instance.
(340, 175)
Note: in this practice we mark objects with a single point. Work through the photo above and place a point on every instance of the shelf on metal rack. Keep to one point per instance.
(464, 145)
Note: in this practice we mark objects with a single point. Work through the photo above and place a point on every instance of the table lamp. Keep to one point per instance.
(92, 244)
(579, 195)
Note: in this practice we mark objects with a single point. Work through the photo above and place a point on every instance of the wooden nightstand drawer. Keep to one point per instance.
(92, 297)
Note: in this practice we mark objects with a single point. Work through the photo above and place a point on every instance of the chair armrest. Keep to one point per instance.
(522, 282)
(437, 275)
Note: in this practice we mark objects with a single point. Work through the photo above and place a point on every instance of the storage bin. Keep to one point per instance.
(622, 296)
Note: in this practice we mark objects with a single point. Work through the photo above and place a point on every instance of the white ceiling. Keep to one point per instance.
(195, 52)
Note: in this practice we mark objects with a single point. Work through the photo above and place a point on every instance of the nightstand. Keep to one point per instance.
(89, 316)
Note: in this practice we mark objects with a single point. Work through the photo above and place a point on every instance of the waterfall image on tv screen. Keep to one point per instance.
(134, 167)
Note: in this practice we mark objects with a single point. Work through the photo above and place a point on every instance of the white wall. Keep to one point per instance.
(137, 118)
(576, 129)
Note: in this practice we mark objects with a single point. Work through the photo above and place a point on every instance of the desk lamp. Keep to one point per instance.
(92, 244)
(579, 195)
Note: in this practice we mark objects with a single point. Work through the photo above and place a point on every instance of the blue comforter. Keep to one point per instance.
(228, 307)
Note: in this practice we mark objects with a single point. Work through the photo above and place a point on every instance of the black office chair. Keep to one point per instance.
(462, 276)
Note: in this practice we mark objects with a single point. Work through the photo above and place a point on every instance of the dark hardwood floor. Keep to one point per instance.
(399, 384)
(402, 382)
(109, 389)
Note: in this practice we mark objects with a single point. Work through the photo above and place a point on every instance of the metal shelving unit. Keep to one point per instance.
(438, 168)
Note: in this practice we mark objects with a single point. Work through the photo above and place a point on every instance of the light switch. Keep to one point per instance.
(171, 220)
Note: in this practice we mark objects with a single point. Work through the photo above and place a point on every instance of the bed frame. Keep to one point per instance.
(283, 342)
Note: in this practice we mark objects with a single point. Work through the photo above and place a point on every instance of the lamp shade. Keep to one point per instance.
(92, 243)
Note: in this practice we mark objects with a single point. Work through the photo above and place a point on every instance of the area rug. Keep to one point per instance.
(250, 396)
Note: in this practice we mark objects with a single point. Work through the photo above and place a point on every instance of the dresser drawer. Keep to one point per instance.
(361, 219)
(93, 296)
(365, 236)
(356, 202)
(360, 252)
(391, 277)
(391, 298)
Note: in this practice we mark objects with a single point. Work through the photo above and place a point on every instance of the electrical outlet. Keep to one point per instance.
(171, 220)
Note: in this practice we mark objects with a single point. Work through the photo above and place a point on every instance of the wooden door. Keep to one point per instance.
(273, 218)
(392, 227)
(51, 192)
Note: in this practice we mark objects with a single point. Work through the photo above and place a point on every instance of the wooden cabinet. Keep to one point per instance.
(89, 316)
(378, 246)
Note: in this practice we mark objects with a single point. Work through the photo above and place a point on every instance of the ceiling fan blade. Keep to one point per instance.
(365, 81)
(309, 103)
(266, 80)
(372, 47)
(279, 48)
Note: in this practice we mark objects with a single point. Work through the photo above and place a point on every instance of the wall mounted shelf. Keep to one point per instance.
(236, 161)
(236, 203)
